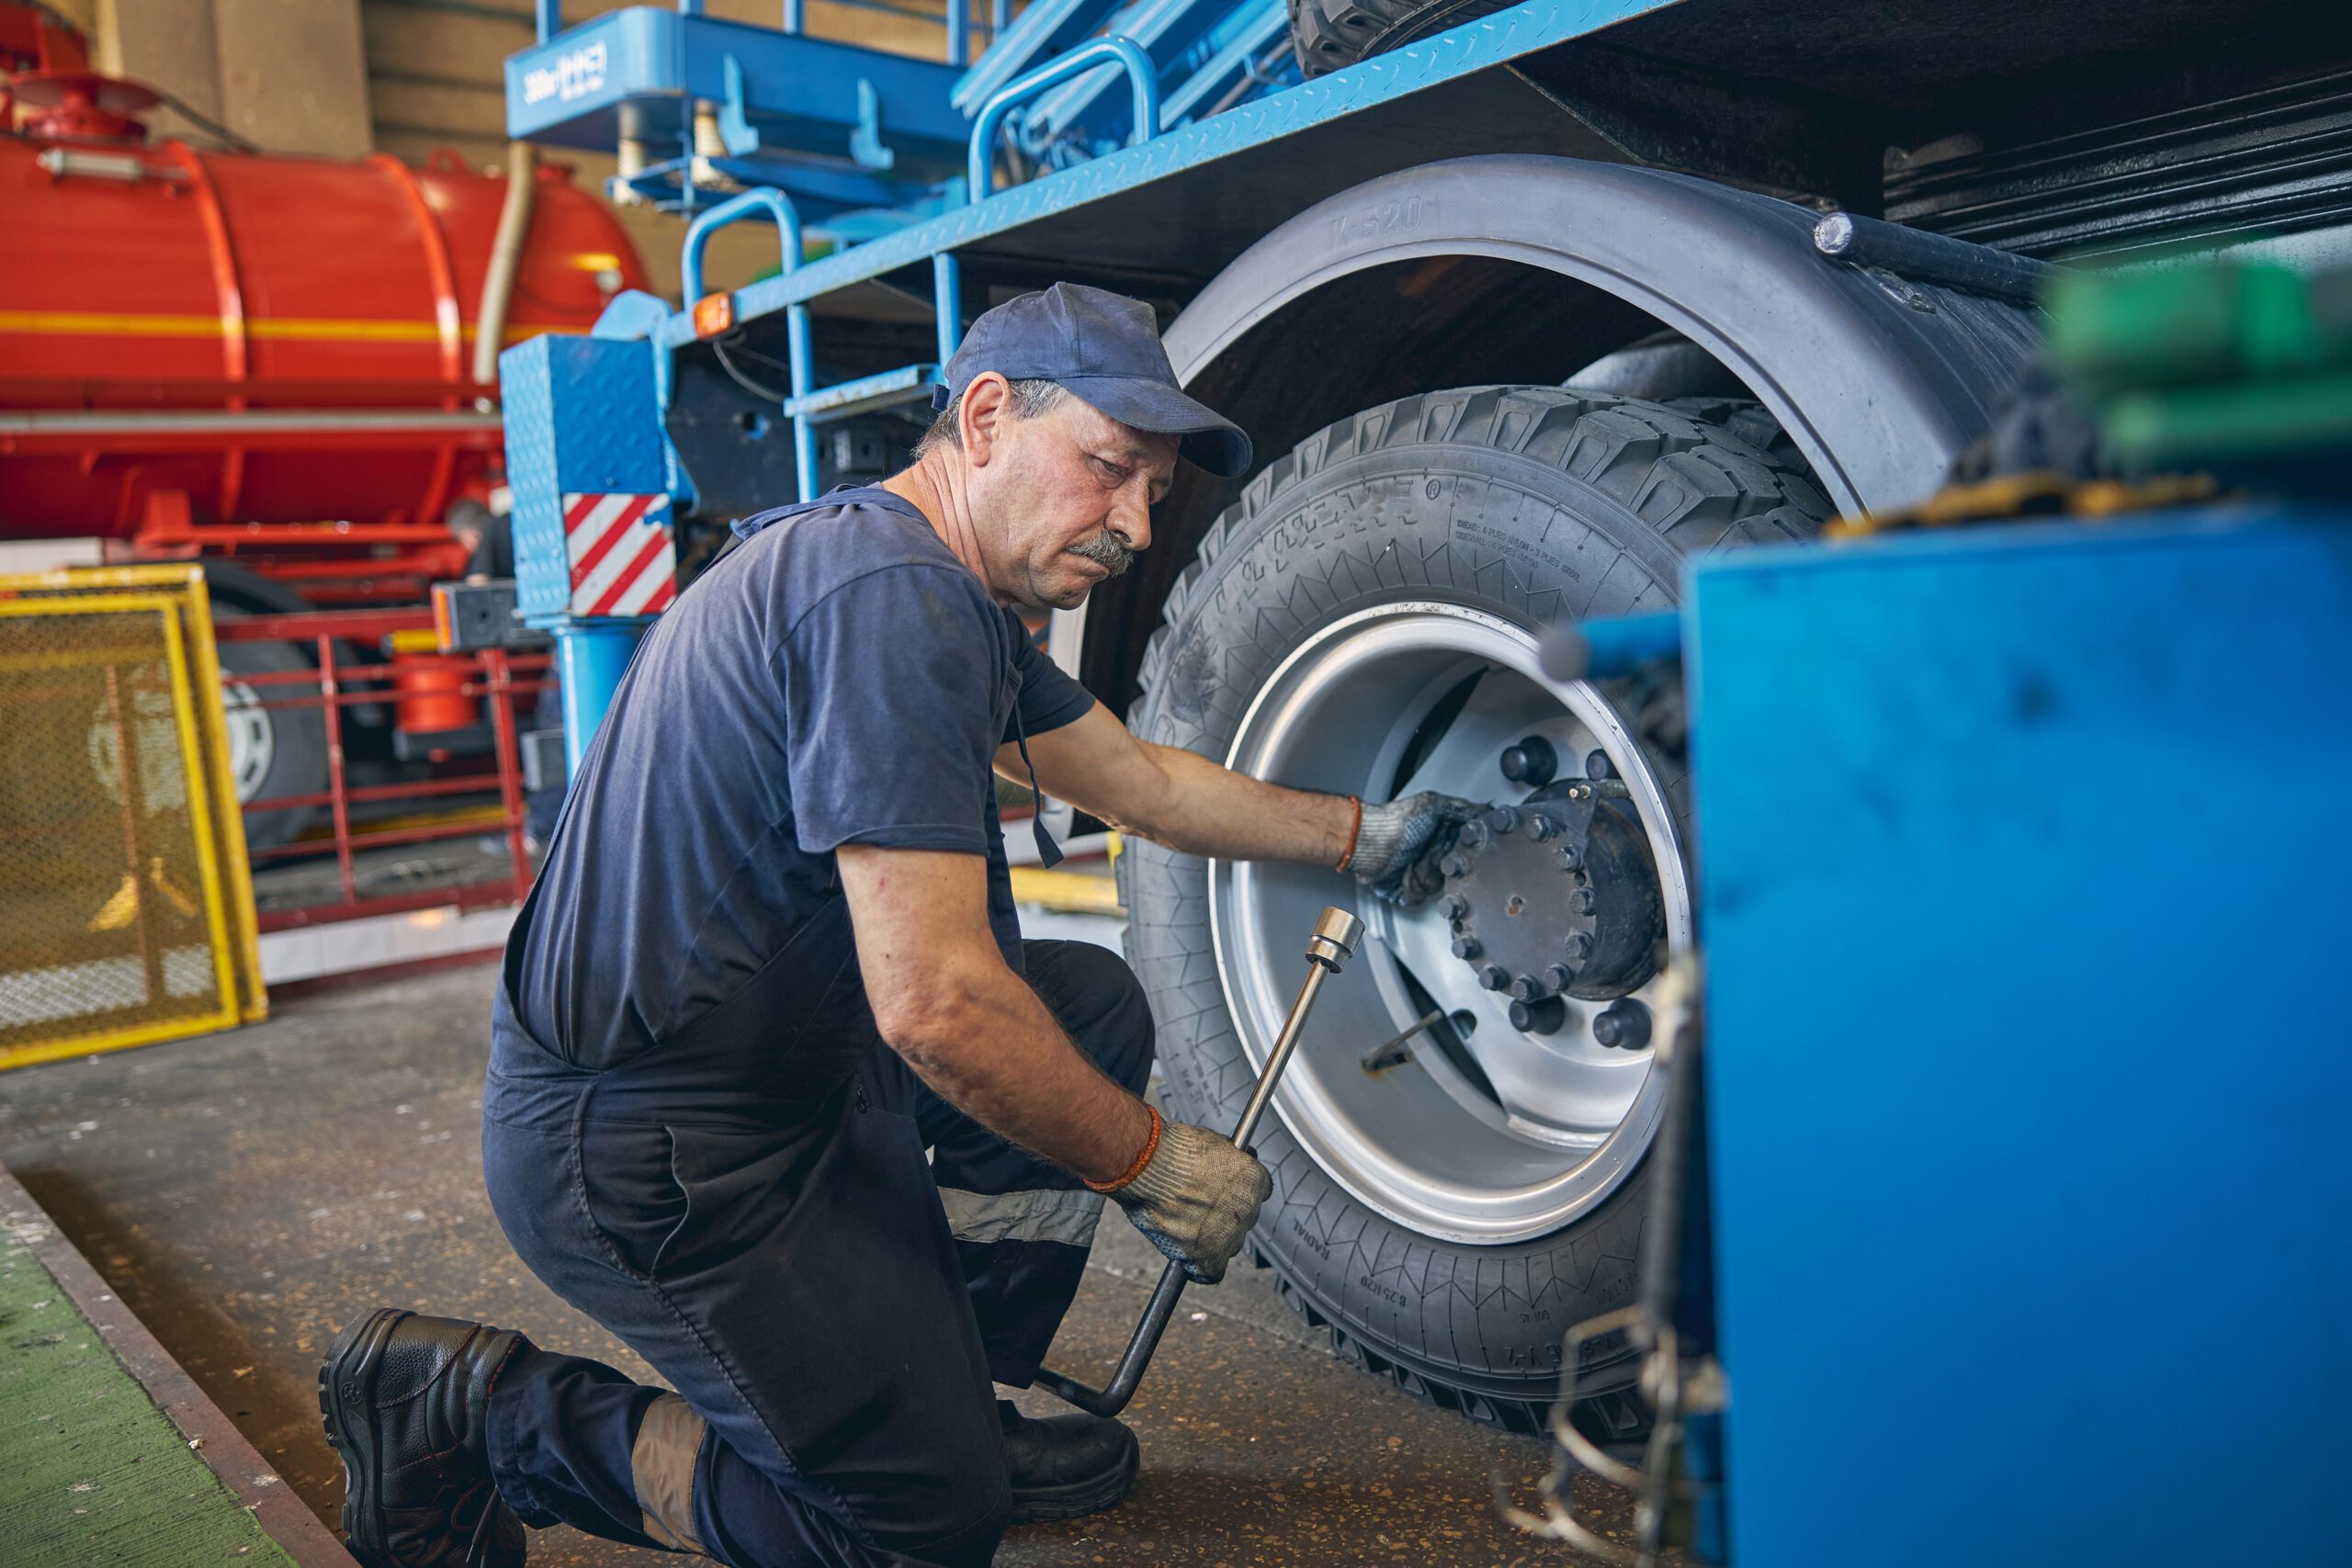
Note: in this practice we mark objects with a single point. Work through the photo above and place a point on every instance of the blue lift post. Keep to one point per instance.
(2092, 779)
(581, 419)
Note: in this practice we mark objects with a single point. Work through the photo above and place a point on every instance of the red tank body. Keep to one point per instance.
(209, 338)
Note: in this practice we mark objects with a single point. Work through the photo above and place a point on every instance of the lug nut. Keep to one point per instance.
(1473, 836)
(1531, 763)
(1557, 976)
(1597, 765)
(1455, 906)
(1541, 828)
(1503, 820)
(1545, 1016)
(1467, 947)
(1570, 857)
(1583, 900)
(1455, 866)
(1579, 945)
(1625, 1025)
(1527, 989)
(1492, 977)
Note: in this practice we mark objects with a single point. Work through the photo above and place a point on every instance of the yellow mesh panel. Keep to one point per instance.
(113, 926)
(185, 586)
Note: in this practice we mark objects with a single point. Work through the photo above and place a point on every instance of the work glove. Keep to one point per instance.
(1196, 1199)
(1400, 845)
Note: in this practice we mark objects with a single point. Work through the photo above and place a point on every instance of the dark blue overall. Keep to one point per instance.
(691, 1129)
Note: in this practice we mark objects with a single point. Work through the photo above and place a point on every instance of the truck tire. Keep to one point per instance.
(1329, 34)
(273, 752)
(1476, 516)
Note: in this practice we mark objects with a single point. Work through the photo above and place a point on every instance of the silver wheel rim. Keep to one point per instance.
(1567, 1119)
(252, 742)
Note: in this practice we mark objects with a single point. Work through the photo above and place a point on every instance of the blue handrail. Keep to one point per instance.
(734, 209)
(1142, 75)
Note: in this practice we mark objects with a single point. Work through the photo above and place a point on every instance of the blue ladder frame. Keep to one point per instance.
(809, 405)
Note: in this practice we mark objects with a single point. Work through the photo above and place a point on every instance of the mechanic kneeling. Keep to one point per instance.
(782, 851)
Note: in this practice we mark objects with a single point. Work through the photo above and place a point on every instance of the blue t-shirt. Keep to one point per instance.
(838, 678)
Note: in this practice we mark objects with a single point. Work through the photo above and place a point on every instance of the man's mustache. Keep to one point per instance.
(1107, 549)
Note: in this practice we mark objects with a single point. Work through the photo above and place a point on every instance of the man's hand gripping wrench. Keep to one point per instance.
(1335, 938)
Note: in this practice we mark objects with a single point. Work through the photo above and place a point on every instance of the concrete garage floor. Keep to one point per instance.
(247, 1193)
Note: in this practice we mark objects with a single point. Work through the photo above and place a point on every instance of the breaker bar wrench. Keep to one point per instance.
(1336, 935)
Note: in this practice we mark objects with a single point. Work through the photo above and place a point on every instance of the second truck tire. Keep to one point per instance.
(1329, 34)
(1480, 498)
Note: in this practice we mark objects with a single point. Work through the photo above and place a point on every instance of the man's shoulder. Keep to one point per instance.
(809, 552)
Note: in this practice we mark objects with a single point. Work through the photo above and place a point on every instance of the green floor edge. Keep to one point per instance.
(93, 1473)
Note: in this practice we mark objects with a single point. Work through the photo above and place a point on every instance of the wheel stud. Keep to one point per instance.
(1583, 900)
(1570, 857)
(1545, 1016)
(1541, 828)
(1491, 976)
(1467, 947)
(1472, 836)
(1531, 763)
(1557, 976)
(1527, 989)
(1456, 865)
(1624, 1025)
(1579, 945)
(1503, 820)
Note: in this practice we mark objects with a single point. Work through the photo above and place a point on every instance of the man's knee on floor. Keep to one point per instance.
(1096, 987)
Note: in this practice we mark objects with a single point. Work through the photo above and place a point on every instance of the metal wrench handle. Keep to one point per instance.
(1335, 935)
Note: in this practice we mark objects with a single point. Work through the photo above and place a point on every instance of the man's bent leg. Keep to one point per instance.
(671, 1238)
(1023, 1226)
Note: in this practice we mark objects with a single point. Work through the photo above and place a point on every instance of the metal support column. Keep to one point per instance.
(591, 656)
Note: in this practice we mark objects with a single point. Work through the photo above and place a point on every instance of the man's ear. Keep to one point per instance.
(980, 420)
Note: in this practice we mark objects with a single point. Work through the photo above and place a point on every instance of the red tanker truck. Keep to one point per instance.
(271, 364)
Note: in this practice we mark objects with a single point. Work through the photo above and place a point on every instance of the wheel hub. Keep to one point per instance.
(1557, 896)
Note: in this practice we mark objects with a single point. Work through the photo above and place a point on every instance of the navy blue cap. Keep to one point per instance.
(1103, 347)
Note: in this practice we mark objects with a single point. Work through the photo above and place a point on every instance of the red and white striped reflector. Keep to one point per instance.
(624, 560)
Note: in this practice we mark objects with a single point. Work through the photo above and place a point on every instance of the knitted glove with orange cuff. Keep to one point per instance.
(1194, 1195)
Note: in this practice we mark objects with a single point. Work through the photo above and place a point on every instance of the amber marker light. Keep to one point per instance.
(713, 313)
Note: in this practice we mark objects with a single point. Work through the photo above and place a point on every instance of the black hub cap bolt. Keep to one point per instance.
(1579, 945)
(1531, 763)
(1473, 836)
(1557, 976)
(1597, 765)
(1491, 976)
(1625, 1025)
(1570, 857)
(1542, 1017)
(1466, 947)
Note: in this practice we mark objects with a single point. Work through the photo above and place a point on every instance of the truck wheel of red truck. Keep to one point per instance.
(1363, 620)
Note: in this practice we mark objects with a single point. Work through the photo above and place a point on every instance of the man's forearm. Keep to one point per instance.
(995, 1052)
(1211, 810)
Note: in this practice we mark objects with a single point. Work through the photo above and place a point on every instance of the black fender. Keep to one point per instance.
(1879, 381)
(1523, 269)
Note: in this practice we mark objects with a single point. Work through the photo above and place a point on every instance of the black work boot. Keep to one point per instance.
(406, 1400)
(1064, 1465)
